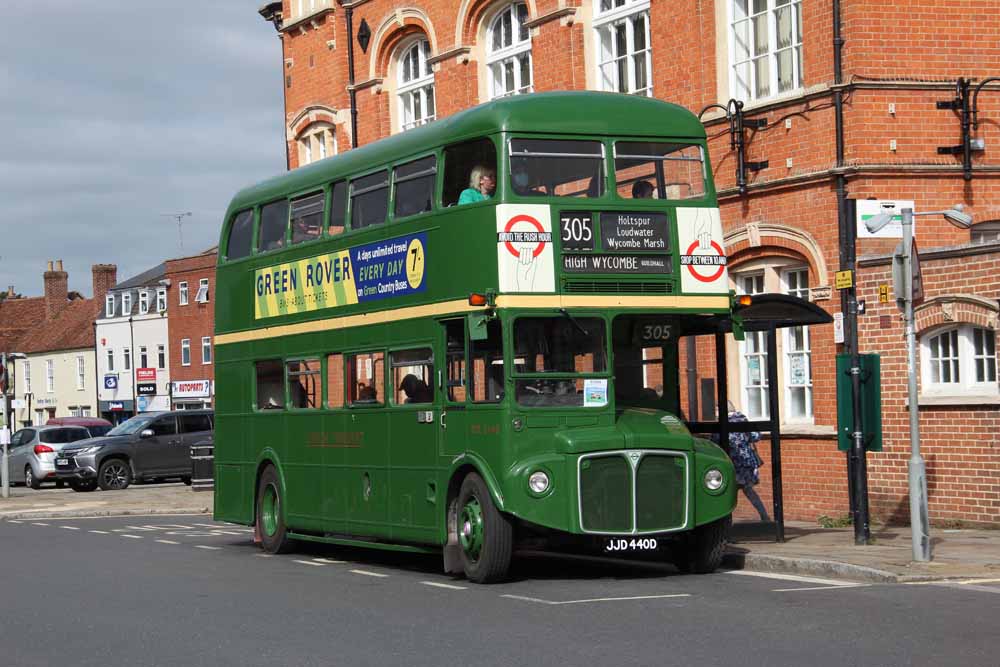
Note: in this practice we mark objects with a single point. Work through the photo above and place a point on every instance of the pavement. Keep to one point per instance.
(967, 555)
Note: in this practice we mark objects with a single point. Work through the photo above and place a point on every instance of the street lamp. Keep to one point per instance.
(903, 260)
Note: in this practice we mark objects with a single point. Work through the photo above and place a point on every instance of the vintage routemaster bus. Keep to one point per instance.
(463, 338)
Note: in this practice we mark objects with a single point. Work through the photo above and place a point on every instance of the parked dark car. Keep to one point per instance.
(151, 445)
(94, 425)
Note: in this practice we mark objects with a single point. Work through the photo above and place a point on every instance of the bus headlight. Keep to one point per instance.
(714, 479)
(538, 482)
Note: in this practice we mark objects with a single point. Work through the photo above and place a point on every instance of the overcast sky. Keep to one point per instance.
(116, 111)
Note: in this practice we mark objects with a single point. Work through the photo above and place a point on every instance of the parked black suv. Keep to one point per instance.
(151, 445)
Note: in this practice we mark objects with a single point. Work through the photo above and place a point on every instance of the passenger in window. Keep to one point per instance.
(642, 190)
(366, 394)
(482, 183)
(521, 179)
(416, 390)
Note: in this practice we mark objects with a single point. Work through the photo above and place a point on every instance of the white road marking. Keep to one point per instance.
(134, 537)
(793, 577)
(70, 527)
(118, 530)
(39, 523)
(817, 588)
(307, 562)
(327, 561)
(960, 582)
(99, 532)
(202, 546)
(139, 528)
(264, 555)
(207, 525)
(560, 602)
(167, 542)
(12, 521)
(438, 584)
(369, 574)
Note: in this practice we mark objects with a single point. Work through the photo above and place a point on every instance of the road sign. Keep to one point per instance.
(915, 289)
(883, 294)
(916, 277)
(844, 279)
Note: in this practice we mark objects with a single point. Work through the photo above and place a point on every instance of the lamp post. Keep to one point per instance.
(903, 262)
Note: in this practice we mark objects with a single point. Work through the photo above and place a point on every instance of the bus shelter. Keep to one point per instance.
(766, 313)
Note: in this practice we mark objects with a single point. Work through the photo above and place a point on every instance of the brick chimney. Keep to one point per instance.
(56, 289)
(104, 276)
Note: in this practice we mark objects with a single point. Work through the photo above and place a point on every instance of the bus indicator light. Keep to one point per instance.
(477, 299)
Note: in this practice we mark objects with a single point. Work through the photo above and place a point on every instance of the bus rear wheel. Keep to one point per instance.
(270, 514)
(701, 552)
(485, 536)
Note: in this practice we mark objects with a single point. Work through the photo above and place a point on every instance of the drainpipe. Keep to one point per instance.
(857, 464)
(349, 18)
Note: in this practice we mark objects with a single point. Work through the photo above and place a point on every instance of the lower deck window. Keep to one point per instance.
(303, 383)
(270, 385)
(366, 383)
(412, 376)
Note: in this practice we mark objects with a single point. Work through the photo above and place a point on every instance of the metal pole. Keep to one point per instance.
(722, 389)
(774, 411)
(919, 523)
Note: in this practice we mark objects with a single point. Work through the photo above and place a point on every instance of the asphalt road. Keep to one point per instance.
(181, 590)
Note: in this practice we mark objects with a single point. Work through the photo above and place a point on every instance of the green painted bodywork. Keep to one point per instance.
(379, 474)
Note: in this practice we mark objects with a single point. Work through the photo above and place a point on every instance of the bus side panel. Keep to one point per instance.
(234, 468)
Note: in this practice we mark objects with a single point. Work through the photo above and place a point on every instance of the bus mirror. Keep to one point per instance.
(477, 326)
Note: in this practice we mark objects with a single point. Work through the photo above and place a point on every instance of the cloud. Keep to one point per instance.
(126, 110)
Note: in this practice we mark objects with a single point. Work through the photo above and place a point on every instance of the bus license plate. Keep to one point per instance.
(62, 462)
(616, 544)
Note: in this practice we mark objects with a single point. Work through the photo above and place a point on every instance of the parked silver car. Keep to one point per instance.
(33, 452)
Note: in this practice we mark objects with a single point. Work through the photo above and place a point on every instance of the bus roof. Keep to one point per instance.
(573, 112)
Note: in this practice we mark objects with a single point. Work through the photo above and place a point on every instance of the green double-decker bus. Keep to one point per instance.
(463, 339)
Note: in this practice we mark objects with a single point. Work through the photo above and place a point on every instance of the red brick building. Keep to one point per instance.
(840, 100)
(190, 330)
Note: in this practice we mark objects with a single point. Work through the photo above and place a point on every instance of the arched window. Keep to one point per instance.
(624, 59)
(508, 56)
(416, 86)
(317, 142)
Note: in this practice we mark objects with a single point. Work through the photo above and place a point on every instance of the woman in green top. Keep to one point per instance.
(482, 182)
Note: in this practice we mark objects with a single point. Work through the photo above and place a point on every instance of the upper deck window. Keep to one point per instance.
(240, 236)
(369, 200)
(338, 208)
(415, 186)
(659, 170)
(273, 225)
(465, 166)
(557, 168)
(307, 217)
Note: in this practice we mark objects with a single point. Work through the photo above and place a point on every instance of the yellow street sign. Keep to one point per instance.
(883, 294)
(844, 279)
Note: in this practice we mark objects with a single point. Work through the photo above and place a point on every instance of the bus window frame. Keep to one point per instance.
(708, 185)
(510, 195)
(283, 408)
(390, 365)
(391, 216)
(288, 382)
(387, 168)
(348, 355)
(253, 233)
(288, 225)
(329, 187)
(495, 138)
(310, 192)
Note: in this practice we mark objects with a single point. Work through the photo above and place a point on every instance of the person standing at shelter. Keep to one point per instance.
(747, 462)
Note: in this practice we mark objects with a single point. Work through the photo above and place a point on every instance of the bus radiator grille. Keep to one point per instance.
(617, 497)
(617, 287)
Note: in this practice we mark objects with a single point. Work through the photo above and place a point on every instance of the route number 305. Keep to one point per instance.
(577, 231)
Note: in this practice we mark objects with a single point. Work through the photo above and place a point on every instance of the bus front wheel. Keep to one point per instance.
(485, 536)
(702, 550)
(270, 514)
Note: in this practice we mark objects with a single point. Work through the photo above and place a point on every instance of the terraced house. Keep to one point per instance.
(819, 113)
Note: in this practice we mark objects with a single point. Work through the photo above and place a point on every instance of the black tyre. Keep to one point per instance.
(114, 475)
(271, 514)
(186, 480)
(485, 536)
(701, 552)
(30, 479)
(85, 486)
(60, 484)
